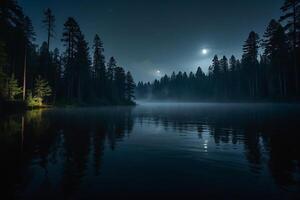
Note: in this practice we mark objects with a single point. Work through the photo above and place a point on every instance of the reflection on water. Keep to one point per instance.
(235, 151)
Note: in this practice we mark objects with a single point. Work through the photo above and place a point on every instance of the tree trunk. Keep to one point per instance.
(79, 90)
(295, 48)
(24, 74)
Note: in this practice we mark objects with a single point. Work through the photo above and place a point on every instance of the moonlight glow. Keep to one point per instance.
(204, 51)
(158, 72)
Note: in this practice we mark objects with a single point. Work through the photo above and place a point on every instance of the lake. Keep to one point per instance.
(152, 151)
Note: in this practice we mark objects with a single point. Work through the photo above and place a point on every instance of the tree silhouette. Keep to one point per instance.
(49, 23)
(250, 63)
(29, 36)
(130, 87)
(276, 52)
(291, 18)
(120, 84)
(99, 68)
(72, 76)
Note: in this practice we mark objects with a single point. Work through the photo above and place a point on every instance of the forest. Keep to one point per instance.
(33, 75)
(268, 69)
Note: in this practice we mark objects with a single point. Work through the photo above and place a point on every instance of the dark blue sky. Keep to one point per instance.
(167, 35)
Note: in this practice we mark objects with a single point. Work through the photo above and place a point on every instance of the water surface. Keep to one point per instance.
(224, 151)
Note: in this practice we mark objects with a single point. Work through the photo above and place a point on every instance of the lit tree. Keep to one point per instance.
(12, 88)
(41, 89)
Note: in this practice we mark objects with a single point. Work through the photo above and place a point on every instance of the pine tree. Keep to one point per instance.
(120, 84)
(111, 66)
(49, 23)
(12, 88)
(224, 64)
(41, 89)
(232, 64)
(29, 37)
(275, 50)
(233, 77)
(71, 36)
(199, 74)
(130, 87)
(2, 64)
(250, 63)
(99, 68)
(216, 66)
(224, 76)
(57, 66)
(11, 33)
(56, 71)
(3, 56)
(291, 17)
(82, 68)
(44, 69)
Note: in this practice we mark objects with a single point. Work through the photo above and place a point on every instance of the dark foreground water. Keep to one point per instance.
(152, 151)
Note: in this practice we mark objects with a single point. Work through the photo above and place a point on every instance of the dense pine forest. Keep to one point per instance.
(268, 70)
(36, 75)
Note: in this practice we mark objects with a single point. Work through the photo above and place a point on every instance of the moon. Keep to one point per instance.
(158, 72)
(204, 51)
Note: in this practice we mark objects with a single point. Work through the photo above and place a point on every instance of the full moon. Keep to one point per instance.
(204, 51)
(158, 72)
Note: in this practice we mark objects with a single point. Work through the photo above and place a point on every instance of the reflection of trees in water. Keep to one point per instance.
(76, 140)
(267, 134)
(70, 138)
(10, 148)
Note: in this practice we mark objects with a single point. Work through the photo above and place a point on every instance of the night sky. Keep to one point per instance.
(147, 36)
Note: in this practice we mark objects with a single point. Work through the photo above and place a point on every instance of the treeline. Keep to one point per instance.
(273, 74)
(37, 74)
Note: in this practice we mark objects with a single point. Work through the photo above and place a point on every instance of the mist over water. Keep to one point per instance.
(216, 150)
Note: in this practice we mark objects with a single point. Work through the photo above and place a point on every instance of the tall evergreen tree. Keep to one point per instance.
(216, 73)
(224, 76)
(291, 17)
(12, 88)
(130, 87)
(3, 56)
(232, 64)
(71, 36)
(29, 36)
(111, 66)
(99, 68)
(224, 64)
(57, 74)
(49, 23)
(250, 63)
(276, 51)
(82, 67)
(216, 65)
(41, 89)
(120, 84)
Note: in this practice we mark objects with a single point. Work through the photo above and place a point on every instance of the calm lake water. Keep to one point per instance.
(159, 151)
